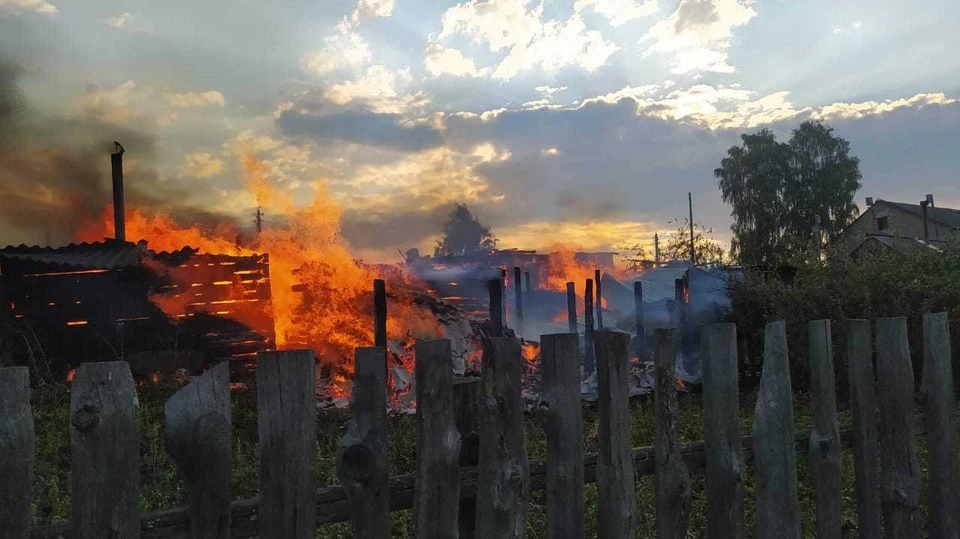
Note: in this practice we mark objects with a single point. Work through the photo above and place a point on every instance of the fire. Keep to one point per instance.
(563, 267)
(680, 384)
(530, 351)
(71, 374)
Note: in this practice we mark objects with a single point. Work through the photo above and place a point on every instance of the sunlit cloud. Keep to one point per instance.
(117, 21)
(344, 48)
(619, 12)
(36, 6)
(187, 100)
(200, 165)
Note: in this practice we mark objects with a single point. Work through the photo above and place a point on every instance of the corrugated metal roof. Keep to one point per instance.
(108, 254)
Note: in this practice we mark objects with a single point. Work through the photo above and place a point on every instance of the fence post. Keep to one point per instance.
(863, 405)
(105, 442)
(721, 418)
(17, 448)
(589, 351)
(899, 472)
(938, 406)
(197, 435)
(564, 433)
(438, 444)
(672, 486)
(362, 454)
(503, 475)
(466, 403)
(824, 448)
(287, 425)
(774, 445)
(616, 485)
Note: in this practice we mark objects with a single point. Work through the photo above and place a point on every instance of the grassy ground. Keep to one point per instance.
(163, 488)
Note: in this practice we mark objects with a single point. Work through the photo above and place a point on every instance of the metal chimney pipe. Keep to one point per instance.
(869, 201)
(116, 164)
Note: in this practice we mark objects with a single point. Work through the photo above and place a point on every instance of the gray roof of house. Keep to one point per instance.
(947, 216)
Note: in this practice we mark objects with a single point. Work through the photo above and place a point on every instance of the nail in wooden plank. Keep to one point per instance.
(863, 407)
(438, 444)
(938, 404)
(17, 449)
(899, 471)
(672, 480)
(287, 424)
(560, 399)
(105, 447)
(503, 482)
(616, 485)
(197, 434)
(721, 417)
(778, 504)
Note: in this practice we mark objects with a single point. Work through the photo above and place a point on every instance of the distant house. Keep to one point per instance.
(898, 225)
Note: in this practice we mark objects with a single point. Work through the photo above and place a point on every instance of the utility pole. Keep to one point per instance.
(656, 250)
(693, 255)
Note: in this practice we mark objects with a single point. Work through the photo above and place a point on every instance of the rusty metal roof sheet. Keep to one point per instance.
(108, 254)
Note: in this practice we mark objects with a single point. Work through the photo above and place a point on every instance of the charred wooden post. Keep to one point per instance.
(599, 302)
(638, 316)
(672, 483)
(105, 447)
(197, 433)
(17, 448)
(518, 292)
(362, 455)
(824, 448)
(529, 285)
(589, 354)
(116, 166)
(679, 302)
(564, 426)
(721, 417)
(617, 511)
(379, 313)
(503, 475)
(863, 407)
(571, 308)
(495, 287)
(503, 295)
(899, 471)
(438, 445)
(938, 405)
(466, 405)
(778, 503)
(287, 425)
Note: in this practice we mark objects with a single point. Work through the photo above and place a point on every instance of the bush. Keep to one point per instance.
(886, 282)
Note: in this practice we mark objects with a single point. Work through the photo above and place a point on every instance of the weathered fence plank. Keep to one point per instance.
(105, 443)
(599, 302)
(571, 308)
(938, 406)
(721, 409)
(564, 432)
(466, 404)
(778, 504)
(672, 482)
(899, 472)
(617, 512)
(863, 407)
(503, 486)
(17, 448)
(363, 453)
(287, 425)
(197, 434)
(332, 504)
(438, 444)
(589, 351)
(638, 317)
(824, 448)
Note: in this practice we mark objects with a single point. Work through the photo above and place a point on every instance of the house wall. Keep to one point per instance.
(898, 223)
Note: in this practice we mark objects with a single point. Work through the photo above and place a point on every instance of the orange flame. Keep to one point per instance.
(71, 374)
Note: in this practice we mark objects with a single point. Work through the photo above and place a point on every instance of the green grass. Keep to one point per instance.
(162, 487)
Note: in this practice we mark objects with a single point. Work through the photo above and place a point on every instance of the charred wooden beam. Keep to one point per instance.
(379, 313)
(495, 287)
(571, 308)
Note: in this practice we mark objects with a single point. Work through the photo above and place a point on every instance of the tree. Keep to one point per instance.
(464, 235)
(677, 247)
(778, 190)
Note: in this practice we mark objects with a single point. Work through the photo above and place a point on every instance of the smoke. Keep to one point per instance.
(55, 171)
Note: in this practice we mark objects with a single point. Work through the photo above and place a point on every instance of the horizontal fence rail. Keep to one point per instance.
(471, 449)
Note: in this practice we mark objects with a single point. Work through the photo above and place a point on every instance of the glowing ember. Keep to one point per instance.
(71, 374)
(680, 384)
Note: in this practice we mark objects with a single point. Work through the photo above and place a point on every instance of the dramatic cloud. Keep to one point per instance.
(368, 128)
(189, 100)
(442, 59)
(200, 165)
(368, 9)
(111, 105)
(379, 89)
(698, 33)
(345, 48)
(619, 12)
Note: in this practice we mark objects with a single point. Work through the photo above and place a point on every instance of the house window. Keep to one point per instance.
(882, 223)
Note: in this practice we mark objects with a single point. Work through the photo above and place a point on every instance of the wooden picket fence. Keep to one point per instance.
(486, 415)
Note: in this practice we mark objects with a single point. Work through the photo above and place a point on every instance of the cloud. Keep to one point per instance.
(117, 21)
(345, 48)
(110, 105)
(516, 26)
(619, 12)
(698, 33)
(360, 127)
(200, 165)
(368, 9)
(440, 59)
(868, 108)
(378, 89)
(188, 100)
(36, 6)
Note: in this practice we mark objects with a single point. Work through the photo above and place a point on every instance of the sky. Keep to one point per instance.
(582, 122)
